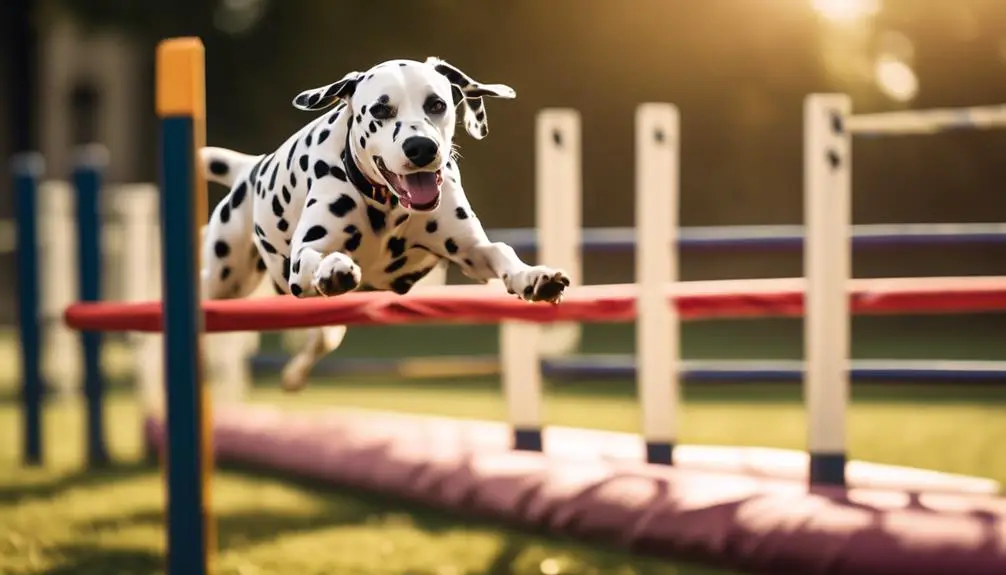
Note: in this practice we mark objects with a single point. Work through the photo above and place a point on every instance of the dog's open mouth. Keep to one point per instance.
(418, 191)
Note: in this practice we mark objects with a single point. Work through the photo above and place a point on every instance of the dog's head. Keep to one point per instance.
(402, 118)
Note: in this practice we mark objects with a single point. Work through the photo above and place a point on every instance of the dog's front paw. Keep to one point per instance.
(538, 283)
(336, 274)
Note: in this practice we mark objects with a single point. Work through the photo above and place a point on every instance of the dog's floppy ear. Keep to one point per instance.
(325, 96)
(472, 93)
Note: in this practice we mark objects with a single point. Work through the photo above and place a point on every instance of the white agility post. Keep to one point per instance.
(58, 226)
(827, 261)
(520, 371)
(657, 326)
(138, 206)
(558, 212)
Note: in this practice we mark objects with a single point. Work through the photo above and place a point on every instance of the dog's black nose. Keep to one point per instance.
(419, 150)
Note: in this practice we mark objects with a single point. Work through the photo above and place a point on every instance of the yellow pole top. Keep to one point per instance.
(181, 78)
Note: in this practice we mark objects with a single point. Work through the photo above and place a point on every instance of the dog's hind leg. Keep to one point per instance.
(320, 341)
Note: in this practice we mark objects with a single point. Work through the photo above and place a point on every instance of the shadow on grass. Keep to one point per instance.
(74, 480)
(93, 560)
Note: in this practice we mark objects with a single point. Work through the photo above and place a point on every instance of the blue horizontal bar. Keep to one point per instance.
(786, 236)
(623, 367)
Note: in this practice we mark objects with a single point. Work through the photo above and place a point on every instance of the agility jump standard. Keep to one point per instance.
(181, 107)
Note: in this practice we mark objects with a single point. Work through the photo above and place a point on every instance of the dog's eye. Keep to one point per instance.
(435, 106)
(382, 111)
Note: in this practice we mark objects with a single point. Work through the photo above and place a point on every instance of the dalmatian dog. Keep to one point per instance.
(366, 196)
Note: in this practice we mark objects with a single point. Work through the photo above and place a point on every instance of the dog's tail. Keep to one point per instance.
(224, 166)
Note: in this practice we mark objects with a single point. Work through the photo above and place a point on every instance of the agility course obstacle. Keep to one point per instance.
(747, 508)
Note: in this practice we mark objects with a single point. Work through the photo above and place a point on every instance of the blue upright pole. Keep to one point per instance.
(181, 108)
(87, 178)
(27, 169)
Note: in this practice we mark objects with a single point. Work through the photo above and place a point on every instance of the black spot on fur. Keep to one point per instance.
(402, 284)
(342, 206)
(285, 192)
(219, 168)
(296, 267)
(253, 175)
(354, 239)
(286, 270)
(261, 265)
(283, 225)
(451, 246)
(394, 134)
(372, 127)
(322, 136)
(267, 247)
(295, 290)
(225, 213)
(293, 179)
(303, 162)
(272, 178)
(277, 288)
(239, 194)
(469, 263)
(289, 155)
(396, 246)
(311, 202)
(431, 226)
(221, 249)
(315, 233)
(310, 183)
(321, 169)
(277, 207)
(338, 173)
(376, 217)
(259, 231)
(396, 265)
(308, 140)
(461, 213)
(313, 99)
(401, 219)
(363, 142)
(225, 273)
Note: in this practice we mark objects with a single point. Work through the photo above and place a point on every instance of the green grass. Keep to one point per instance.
(61, 521)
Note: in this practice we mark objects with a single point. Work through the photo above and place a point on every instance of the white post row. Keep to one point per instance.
(657, 323)
(827, 268)
(61, 366)
(559, 229)
(138, 208)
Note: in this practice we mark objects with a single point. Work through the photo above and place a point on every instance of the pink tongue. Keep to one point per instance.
(421, 188)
